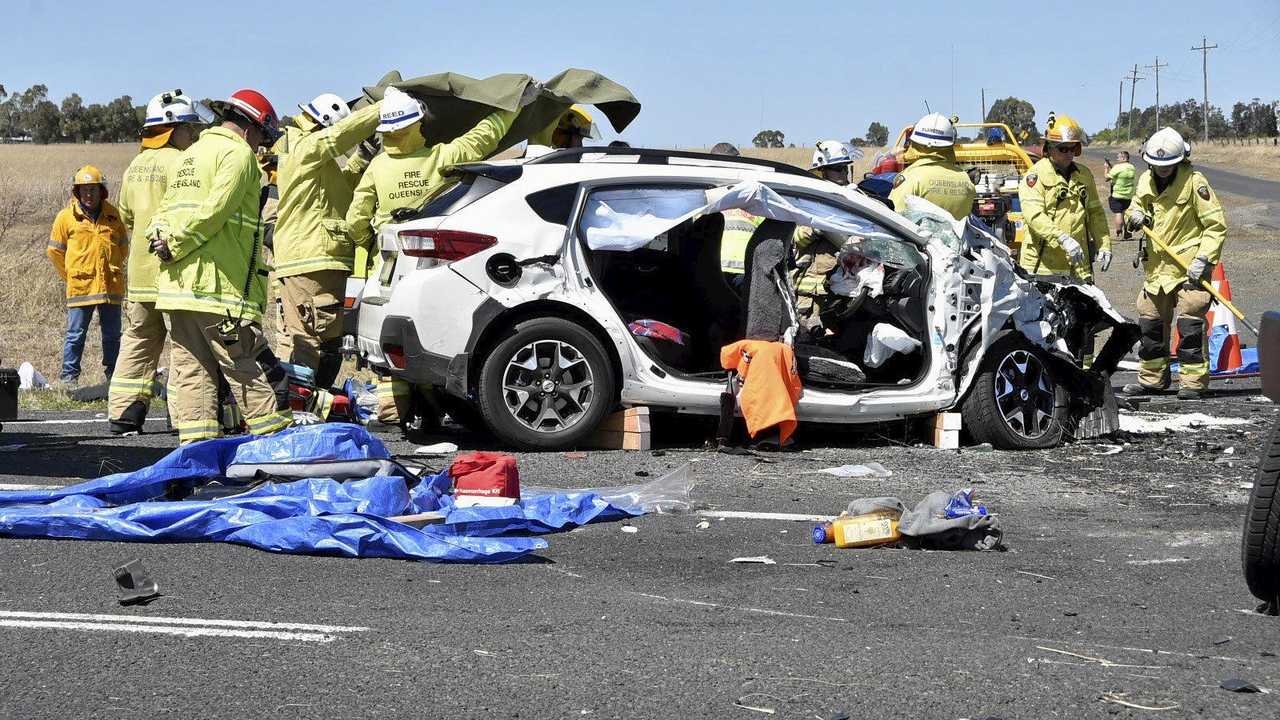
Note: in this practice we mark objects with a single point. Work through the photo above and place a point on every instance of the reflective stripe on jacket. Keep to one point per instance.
(210, 218)
(1188, 218)
(1052, 205)
(315, 194)
(89, 254)
(141, 191)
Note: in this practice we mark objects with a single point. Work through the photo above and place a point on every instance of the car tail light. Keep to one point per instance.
(446, 245)
(348, 302)
(395, 355)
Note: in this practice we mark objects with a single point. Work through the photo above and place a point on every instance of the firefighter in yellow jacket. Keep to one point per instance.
(87, 247)
(313, 254)
(406, 174)
(1178, 205)
(1066, 225)
(932, 172)
(171, 124)
(211, 286)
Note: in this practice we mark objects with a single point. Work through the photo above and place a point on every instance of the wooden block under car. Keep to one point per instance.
(946, 421)
(946, 439)
(619, 440)
(634, 419)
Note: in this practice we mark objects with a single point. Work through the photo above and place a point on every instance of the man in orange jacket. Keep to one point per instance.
(87, 247)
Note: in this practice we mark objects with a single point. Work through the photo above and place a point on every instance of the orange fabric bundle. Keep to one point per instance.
(770, 385)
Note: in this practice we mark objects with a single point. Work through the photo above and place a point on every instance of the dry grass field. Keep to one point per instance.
(34, 186)
(1262, 161)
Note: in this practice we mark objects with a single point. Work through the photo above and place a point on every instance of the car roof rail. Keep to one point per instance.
(654, 156)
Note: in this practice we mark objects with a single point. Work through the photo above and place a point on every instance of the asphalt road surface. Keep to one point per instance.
(1222, 180)
(1121, 580)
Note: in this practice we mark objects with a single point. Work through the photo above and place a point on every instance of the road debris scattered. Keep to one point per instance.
(135, 584)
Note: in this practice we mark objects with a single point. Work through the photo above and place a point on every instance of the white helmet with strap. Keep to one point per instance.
(833, 152)
(934, 130)
(1166, 147)
(172, 107)
(326, 109)
(399, 111)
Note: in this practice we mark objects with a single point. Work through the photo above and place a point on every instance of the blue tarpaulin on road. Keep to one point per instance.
(313, 516)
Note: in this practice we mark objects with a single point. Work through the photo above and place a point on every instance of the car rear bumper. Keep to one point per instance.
(421, 367)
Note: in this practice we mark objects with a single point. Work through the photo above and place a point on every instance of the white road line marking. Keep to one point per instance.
(189, 632)
(22, 486)
(743, 608)
(256, 624)
(1160, 561)
(68, 421)
(740, 514)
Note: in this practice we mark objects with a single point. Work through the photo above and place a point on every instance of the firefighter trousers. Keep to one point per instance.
(203, 344)
(311, 310)
(395, 400)
(1156, 313)
(140, 350)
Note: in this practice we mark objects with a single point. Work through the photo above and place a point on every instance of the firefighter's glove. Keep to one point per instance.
(1104, 260)
(160, 246)
(1197, 271)
(1071, 248)
(1135, 220)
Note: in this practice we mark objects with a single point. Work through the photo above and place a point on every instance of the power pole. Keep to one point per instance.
(984, 105)
(1156, 68)
(1120, 106)
(1133, 83)
(1204, 49)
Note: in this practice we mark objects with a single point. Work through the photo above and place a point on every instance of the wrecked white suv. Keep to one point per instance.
(539, 296)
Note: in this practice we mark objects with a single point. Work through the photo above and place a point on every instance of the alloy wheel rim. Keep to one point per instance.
(1024, 393)
(548, 386)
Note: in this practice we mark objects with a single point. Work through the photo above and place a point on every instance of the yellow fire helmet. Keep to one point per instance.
(88, 175)
(1063, 129)
(574, 122)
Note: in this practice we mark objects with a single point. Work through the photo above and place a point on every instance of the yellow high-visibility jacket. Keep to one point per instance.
(209, 216)
(89, 254)
(1188, 218)
(141, 191)
(1052, 205)
(408, 179)
(315, 194)
(937, 180)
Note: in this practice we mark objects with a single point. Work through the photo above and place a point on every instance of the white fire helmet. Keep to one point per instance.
(934, 130)
(172, 107)
(1166, 147)
(399, 111)
(833, 152)
(326, 109)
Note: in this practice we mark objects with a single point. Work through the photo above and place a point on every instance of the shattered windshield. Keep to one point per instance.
(875, 243)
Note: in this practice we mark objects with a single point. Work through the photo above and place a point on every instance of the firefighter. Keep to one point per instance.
(815, 250)
(172, 123)
(1066, 225)
(87, 247)
(313, 257)
(405, 174)
(207, 235)
(1176, 202)
(739, 226)
(932, 172)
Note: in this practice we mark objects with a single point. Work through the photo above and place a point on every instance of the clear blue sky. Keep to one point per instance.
(704, 71)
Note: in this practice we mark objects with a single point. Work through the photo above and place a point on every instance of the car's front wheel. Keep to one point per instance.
(1016, 402)
(546, 385)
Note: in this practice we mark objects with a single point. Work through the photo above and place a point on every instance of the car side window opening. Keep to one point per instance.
(633, 217)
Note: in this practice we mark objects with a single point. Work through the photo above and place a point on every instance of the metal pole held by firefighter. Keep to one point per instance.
(1160, 244)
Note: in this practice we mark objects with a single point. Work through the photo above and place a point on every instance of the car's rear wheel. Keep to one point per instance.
(1016, 402)
(546, 385)
(1261, 544)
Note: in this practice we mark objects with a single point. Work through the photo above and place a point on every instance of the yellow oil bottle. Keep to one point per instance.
(874, 528)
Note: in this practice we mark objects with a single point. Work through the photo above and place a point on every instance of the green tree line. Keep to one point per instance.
(31, 114)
